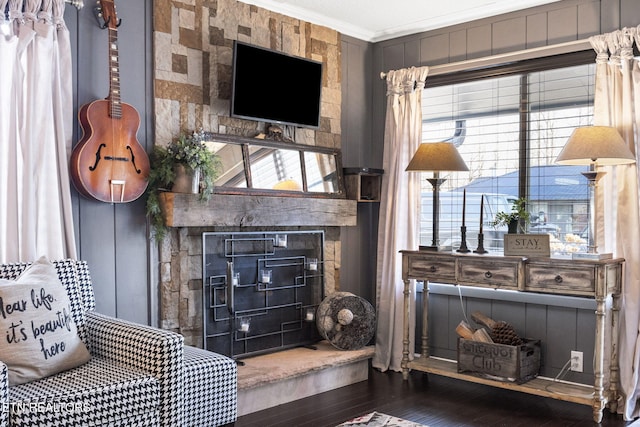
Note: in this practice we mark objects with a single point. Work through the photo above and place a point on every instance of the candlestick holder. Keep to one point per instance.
(480, 249)
(463, 245)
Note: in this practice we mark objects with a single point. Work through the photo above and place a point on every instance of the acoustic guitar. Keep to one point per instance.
(108, 163)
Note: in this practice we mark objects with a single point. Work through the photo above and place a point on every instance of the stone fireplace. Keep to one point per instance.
(181, 252)
(193, 42)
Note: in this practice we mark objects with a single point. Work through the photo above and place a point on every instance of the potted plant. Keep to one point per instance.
(186, 157)
(516, 220)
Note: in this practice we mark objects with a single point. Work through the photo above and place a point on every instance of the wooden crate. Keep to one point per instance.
(511, 363)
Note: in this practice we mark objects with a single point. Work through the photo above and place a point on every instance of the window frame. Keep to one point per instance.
(522, 72)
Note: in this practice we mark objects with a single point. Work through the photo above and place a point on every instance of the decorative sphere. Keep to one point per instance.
(345, 316)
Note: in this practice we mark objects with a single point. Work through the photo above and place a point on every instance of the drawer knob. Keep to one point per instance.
(433, 269)
(488, 275)
(558, 279)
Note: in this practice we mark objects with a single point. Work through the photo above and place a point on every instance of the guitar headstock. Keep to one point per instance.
(107, 11)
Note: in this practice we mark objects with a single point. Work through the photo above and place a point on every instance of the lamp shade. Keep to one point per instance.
(595, 144)
(437, 156)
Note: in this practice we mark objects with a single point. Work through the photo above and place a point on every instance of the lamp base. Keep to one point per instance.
(591, 256)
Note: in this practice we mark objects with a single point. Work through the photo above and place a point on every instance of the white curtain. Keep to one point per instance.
(617, 103)
(399, 222)
(36, 117)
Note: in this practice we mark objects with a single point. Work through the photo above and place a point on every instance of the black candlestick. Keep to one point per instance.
(480, 249)
(463, 246)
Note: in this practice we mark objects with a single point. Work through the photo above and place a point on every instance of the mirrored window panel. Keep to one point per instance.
(232, 173)
(321, 172)
(275, 169)
(257, 165)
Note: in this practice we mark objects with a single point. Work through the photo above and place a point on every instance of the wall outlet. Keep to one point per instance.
(576, 361)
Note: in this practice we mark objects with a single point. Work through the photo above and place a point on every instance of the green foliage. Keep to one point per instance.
(190, 151)
(518, 214)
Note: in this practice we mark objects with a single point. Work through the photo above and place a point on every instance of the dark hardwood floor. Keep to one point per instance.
(431, 400)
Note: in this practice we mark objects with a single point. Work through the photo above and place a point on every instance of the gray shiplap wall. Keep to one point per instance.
(358, 150)
(563, 21)
(113, 238)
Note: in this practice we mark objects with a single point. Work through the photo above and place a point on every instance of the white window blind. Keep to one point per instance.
(509, 130)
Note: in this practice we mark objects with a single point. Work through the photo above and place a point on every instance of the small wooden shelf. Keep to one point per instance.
(545, 387)
(363, 184)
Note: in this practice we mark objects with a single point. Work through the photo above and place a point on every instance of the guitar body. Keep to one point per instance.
(109, 164)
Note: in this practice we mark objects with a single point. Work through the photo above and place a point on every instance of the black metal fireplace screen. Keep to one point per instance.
(261, 290)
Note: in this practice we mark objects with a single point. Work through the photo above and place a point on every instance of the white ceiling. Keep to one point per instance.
(376, 20)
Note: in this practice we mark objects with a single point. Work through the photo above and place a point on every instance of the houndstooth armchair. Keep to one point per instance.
(136, 375)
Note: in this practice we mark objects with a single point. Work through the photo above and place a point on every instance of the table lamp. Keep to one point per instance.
(436, 157)
(593, 146)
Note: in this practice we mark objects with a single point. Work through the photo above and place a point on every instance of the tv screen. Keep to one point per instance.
(275, 87)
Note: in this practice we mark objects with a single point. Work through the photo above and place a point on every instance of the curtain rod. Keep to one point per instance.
(79, 4)
(487, 61)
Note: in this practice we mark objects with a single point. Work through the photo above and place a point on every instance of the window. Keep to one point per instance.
(509, 129)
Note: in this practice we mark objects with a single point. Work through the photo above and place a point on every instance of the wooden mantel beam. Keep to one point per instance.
(226, 210)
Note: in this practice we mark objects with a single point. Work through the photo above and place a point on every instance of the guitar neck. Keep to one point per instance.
(115, 106)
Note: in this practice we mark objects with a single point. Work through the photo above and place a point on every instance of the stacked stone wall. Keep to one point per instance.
(193, 45)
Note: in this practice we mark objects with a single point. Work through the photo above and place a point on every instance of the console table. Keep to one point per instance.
(595, 279)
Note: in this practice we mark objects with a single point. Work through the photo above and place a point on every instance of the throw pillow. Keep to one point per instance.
(38, 336)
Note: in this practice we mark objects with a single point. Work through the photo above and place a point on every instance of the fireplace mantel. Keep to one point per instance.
(232, 210)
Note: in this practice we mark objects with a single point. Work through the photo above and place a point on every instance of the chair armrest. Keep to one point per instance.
(4, 395)
(153, 350)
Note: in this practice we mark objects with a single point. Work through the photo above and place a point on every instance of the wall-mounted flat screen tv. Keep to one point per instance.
(274, 87)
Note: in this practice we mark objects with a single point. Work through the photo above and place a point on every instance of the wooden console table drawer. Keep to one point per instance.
(578, 280)
(442, 268)
(490, 273)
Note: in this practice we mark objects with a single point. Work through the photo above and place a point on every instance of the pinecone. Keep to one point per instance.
(500, 332)
(503, 333)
